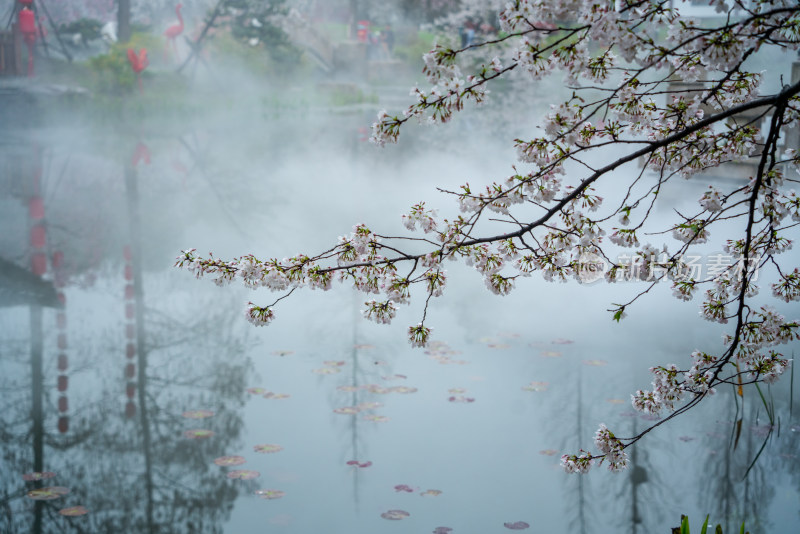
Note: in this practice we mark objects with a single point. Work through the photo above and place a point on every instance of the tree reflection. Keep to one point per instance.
(133, 474)
(744, 482)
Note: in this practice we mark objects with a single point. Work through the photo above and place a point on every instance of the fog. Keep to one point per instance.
(243, 152)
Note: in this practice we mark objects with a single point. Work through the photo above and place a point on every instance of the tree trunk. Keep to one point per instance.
(123, 21)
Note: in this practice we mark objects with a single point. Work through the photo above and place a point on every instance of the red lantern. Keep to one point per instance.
(27, 26)
(58, 259)
(62, 362)
(36, 208)
(38, 236)
(130, 370)
(63, 383)
(141, 152)
(63, 424)
(130, 409)
(130, 350)
(27, 23)
(130, 311)
(129, 292)
(62, 404)
(128, 272)
(39, 263)
(130, 390)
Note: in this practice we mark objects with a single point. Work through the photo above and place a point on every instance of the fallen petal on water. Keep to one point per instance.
(519, 525)
(243, 474)
(198, 414)
(536, 386)
(38, 475)
(325, 370)
(550, 354)
(270, 494)
(356, 463)
(376, 418)
(48, 493)
(347, 410)
(73, 511)
(267, 448)
(595, 363)
(395, 515)
(277, 396)
(431, 493)
(198, 433)
(229, 460)
(402, 389)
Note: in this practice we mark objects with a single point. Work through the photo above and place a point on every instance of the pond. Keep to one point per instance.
(148, 404)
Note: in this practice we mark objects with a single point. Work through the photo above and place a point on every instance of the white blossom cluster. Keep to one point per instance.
(613, 449)
(577, 463)
(257, 315)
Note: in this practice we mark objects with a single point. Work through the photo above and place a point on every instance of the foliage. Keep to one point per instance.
(680, 105)
(112, 71)
(260, 25)
(88, 29)
(413, 50)
(684, 528)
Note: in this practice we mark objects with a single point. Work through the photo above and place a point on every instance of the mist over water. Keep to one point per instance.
(467, 434)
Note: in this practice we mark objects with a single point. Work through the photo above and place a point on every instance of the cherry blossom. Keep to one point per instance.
(672, 104)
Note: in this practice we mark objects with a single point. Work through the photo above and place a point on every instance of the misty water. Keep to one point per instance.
(466, 434)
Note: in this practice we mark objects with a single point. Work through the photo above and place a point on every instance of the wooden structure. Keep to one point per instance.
(10, 52)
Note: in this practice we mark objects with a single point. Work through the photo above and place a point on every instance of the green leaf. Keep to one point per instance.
(618, 314)
(684, 525)
(704, 528)
(718, 530)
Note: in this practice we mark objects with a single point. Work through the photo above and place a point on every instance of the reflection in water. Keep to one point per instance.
(132, 474)
(472, 465)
